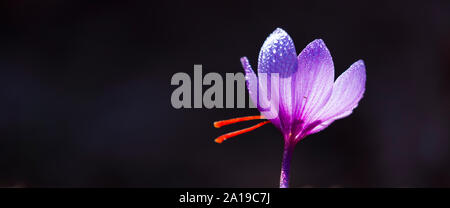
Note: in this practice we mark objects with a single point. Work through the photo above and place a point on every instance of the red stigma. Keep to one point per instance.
(224, 137)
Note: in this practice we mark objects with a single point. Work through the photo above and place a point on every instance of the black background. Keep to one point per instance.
(85, 94)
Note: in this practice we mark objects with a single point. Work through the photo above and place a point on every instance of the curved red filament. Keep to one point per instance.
(224, 137)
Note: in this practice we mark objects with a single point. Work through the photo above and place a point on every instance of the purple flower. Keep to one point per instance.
(298, 94)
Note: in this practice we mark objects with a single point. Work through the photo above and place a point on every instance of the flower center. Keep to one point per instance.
(224, 137)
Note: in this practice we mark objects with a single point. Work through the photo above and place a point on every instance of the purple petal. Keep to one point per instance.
(312, 82)
(253, 87)
(347, 91)
(278, 54)
(251, 79)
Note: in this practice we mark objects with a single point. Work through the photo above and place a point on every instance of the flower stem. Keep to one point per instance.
(286, 163)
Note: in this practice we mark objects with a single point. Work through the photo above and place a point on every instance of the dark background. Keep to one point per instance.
(85, 94)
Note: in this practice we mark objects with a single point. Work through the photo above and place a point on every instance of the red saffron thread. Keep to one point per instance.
(219, 124)
(224, 137)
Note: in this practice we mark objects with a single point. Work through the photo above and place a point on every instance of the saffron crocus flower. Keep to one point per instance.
(306, 96)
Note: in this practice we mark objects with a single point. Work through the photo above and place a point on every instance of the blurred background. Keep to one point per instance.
(85, 94)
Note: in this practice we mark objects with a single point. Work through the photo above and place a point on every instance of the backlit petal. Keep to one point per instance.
(347, 92)
(254, 89)
(313, 82)
(278, 56)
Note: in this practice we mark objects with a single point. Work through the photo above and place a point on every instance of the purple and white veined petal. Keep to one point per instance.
(347, 92)
(312, 82)
(260, 101)
(278, 57)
